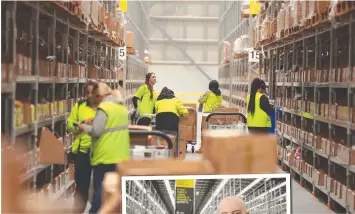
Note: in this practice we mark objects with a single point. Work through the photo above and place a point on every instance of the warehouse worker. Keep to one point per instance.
(83, 112)
(232, 205)
(258, 108)
(145, 97)
(167, 102)
(112, 142)
(212, 99)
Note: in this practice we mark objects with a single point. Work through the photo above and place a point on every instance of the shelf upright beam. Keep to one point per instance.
(86, 55)
(11, 34)
(304, 67)
(34, 62)
(66, 91)
(125, 63)
(350, 100)
(76, 59)
(330, 126)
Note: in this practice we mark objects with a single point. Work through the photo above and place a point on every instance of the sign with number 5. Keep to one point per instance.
(122, 53)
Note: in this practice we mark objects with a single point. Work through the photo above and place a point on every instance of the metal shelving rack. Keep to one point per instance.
(302, 80)
(143, 198)
(233, 26)
(46, 32)
(135, 68)
(257, 193)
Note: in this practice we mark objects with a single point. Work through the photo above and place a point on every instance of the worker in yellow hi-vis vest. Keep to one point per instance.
(144, 98)
(82, 111)
(258, 108)
(111, 142)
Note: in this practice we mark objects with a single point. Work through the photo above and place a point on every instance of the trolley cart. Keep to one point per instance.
(150, 117)
(227, 126)
(152, 152)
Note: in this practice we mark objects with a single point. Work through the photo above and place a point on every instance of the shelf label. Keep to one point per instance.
(253, 55)
(122, 53)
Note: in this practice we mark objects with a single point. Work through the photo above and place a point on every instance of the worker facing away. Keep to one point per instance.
(111, 142)
(144, 98)
(167, 102)
(211, 99)
(83, 112)
(258, 108)
(232, 205)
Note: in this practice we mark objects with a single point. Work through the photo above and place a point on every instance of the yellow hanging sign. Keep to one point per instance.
(123, 5)
(254, 7)
(185, 183)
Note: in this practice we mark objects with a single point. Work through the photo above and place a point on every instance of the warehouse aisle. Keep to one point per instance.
(302, 200)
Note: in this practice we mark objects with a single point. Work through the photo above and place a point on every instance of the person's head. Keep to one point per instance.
(88, 88)
(257, 85)
(101, 90)
(213, 85)
(150, 80)
(232, 205)
(116, 94)
(167, 90)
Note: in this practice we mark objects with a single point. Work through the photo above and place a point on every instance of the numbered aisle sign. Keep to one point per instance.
(122, 53)
(253, 55)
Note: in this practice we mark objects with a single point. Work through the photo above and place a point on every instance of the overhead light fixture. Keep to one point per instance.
(170, 192)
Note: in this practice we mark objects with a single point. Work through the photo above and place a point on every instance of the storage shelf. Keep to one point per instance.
(310, 79)
(49, 55)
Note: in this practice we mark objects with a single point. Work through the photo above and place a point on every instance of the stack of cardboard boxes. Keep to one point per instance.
(187, 128)
(130, 43)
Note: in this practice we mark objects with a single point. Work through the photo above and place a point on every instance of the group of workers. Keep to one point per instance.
(101, 121)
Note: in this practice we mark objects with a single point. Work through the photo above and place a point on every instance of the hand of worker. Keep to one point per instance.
(81, 127)
(88, 122)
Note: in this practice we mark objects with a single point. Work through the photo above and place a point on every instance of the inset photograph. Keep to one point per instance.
(207, 194)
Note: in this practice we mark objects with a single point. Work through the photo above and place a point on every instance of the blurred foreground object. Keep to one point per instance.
(238, 153)
(10, 180)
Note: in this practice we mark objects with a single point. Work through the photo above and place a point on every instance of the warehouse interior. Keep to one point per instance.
(259, 194)
(303, 50)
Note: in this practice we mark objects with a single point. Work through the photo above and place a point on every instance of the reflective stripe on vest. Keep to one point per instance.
(260, 118)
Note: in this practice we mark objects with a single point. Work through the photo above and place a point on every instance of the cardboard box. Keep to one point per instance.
(318, 177)
(239, 154)
(183, 130)
(191, 119)
(129, 39)
(139, 140)
(164, 167)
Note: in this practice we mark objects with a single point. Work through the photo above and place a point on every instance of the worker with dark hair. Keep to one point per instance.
(258, 108)
(83, 112)
(212, 99)
(167, 102)
(145, 97)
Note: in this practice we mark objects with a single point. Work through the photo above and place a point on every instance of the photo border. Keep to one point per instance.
(195, 177)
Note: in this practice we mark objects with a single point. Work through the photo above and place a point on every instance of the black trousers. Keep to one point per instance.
(99, 174)
(259, 130)
(82, 176)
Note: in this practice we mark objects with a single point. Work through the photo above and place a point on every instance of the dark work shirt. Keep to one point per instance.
(265, 105)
